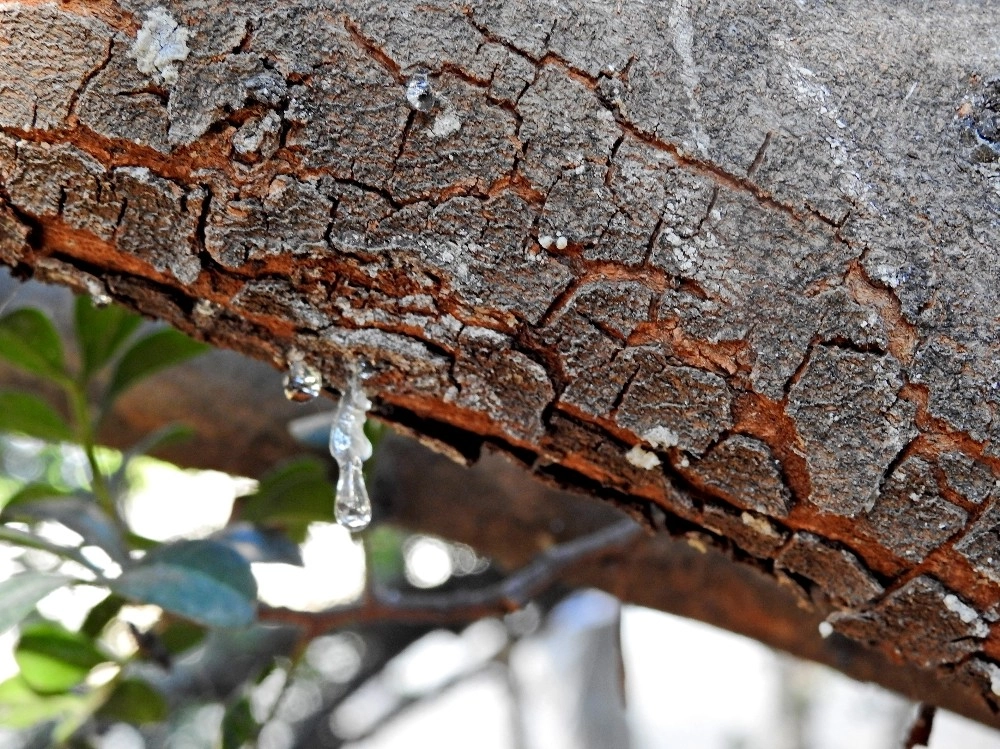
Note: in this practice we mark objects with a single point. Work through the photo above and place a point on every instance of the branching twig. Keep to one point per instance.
(462, 605)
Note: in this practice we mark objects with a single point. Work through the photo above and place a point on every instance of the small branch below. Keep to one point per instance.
(463, 605)
(920, 729)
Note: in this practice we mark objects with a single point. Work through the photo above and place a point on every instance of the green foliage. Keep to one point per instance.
(290, 497)
(204, 587)
(29, 341)
(100, 332)
(151, 354)
(30, 415)
(181, 635)
(22, 592)
(53, 659)
(238, 725)
(134, 701)
(99, 616)
(31, 492)
(205, 581)
(79, 514)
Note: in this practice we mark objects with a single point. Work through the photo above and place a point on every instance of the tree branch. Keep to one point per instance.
(464, 605)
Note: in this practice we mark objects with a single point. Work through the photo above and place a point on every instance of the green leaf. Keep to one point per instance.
(180, 635)
(99, 616)
(29, 414)
(29, 340)
(204, 581)
(260, 544)
(298, 492)
(136, 702)
(78, 513)
(29, 493)
(384, 547)
(53, 659)
(151, 354)
(21, 593)
(21, 706)
(238, 725)
(165, 435)
(100, 332)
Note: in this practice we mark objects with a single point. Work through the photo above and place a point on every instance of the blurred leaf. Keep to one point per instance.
(292, 495)
(141, 542)
(53, 659)
(384, 546)
(165, 435)
(204, 581)
(79, 514)
(21, 593)
(29, 414)
(375, 431)
(181, 635)
(29, 340)
(136, 702)
(238, 725)
(101, 614)
(21, 707)
(30, 493)
(149, 355)
(168, 434)
(259, 544)
(100, 332)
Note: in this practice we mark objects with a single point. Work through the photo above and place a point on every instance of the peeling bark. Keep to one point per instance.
(755, 244)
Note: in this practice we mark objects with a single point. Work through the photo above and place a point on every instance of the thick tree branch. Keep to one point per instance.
(675, 259)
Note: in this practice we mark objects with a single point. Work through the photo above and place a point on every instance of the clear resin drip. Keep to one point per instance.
(350, 448)
(419, 94)
(302, 381)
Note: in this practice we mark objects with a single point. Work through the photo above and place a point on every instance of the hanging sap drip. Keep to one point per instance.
(350, 448)
(302, 381)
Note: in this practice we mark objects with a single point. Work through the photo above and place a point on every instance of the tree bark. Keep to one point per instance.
(730, 269)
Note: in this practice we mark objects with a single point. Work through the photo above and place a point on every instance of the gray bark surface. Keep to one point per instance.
(730, 268)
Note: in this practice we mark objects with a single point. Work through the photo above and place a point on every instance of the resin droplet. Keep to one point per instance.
(418, 93)
(100, 301)
(350, 447)
(302, 381)
(352, 509)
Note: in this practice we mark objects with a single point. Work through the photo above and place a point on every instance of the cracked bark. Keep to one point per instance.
(749, 263)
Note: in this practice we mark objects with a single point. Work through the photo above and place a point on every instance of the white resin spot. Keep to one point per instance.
(637, 456)
(994, 673)
(545, 241)
(445, 124)
(661, 437)
(561, 242)
(160, 43)
(965, 612)
(350, 447)
(759, 524)
(825, 629)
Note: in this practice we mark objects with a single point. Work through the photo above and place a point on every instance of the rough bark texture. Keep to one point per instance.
(730, 268)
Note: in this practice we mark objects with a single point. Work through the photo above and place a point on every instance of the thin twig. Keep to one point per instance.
(461, 605)
(920, 729)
